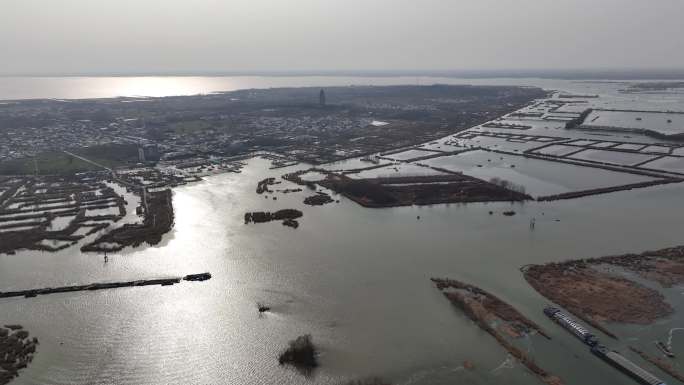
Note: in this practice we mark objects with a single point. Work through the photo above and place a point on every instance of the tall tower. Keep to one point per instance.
(321, 98)
(141, 153)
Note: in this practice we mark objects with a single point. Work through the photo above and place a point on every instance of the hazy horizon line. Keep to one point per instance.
(570, 73)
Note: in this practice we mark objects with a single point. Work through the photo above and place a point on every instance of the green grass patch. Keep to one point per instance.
(48, 163)
(110, 155)
(59, 163)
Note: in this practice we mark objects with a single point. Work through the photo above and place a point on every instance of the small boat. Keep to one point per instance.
(198, 277)
(663, 348)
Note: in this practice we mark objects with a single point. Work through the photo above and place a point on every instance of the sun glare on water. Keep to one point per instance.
(157, 86)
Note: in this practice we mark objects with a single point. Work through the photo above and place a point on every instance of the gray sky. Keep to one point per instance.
(120, 36)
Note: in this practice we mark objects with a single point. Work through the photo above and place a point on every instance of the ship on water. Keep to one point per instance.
(612, 357)
(571, 325)
(626, 366)
(663, 348)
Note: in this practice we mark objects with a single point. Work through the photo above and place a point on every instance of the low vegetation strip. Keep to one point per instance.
(607, 190)
(494, 305)
(661, 363)
(497, 318)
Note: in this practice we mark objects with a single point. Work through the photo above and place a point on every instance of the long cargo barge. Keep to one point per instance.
(571, 325)
(626, 366)
(612, 357)
(105, 285)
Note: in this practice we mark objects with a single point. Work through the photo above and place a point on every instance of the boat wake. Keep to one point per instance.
(509, 363)
(670, 336)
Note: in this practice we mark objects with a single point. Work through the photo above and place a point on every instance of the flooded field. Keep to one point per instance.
(538, 176)
(410, 154)
(400, 169)
(557, 150)
(620, 158)
(665, 123)
(666, 163)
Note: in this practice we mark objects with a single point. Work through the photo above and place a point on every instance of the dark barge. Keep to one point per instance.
(105, 285)
(571, 325)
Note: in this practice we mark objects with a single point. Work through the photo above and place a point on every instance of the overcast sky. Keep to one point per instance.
(146, 36)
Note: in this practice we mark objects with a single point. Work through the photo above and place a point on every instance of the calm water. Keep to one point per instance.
(12, 88)
(356, 279)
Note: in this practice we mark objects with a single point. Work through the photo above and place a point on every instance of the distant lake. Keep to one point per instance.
(14, 88)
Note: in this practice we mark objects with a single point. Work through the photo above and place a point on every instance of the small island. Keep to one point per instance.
(420, 190)
(301, 353)
(288, 216)
(16, 351)
(262, 186)
(594, 290)
(319, 199)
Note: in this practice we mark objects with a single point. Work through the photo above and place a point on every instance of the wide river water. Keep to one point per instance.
(357, 279)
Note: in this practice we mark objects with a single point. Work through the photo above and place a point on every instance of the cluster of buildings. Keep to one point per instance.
(28, 142)
(306, 124)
